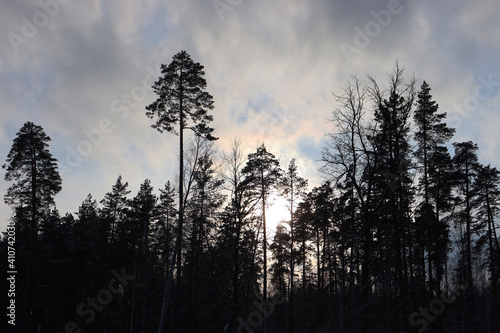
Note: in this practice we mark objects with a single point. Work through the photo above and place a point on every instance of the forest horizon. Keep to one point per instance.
(253, 166)
(402, 233)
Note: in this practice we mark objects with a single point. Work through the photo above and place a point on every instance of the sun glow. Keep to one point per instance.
(278, 211)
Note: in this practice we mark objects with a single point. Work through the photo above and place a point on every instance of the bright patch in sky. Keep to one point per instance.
(277, 213)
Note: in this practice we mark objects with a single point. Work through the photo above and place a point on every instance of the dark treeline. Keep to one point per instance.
(401, 236)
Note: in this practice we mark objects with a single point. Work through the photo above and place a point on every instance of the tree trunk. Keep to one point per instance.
(264, 250)
(290, 308)
(181, 213)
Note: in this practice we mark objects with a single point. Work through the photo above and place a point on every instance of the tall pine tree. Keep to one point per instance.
(36, 179)
(431, 133)
(263, 172)
(292, 188)
(181, 97)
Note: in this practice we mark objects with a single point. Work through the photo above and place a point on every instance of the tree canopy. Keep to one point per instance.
(401, 234)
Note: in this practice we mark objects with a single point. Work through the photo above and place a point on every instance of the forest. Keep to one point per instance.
(402, 235)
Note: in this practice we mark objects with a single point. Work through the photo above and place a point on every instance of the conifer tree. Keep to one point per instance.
(391, 141)
(431, 133)
(280, 269)
(236, 218)
(36, 180)
(262, 171)
(466, 168)
(466, 164)
(181, 97)
(115, 205)
(486, 201)
(303, 235)
(143, 213)
(293, 188)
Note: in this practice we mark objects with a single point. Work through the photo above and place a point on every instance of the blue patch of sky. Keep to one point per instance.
(132, 149)
(472, 108)
(310, 147)
(30, 88)
(241, 118)
(10, 128)
(488, 82)
(260, 103)
(153, 32)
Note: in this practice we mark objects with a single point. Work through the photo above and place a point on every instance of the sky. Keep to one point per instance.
(83, 71)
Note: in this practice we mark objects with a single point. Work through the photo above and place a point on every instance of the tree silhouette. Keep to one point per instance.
(263, 172)
(115, 206)
(466, 167)
(373, 246)
(181, 97)
(292, 188)
(36, 179)
(430, 134)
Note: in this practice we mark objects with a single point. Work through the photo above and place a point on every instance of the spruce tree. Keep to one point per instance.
(143, 213)
(431, 133)
(391, 142)
(115, 206)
